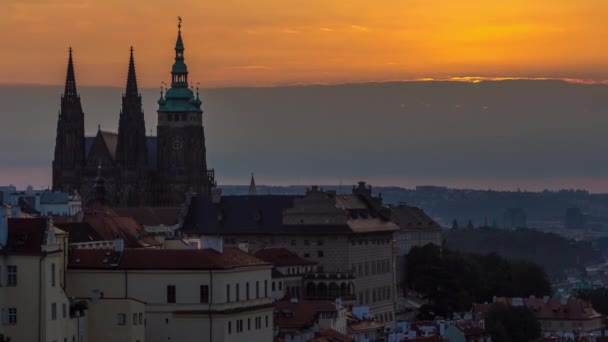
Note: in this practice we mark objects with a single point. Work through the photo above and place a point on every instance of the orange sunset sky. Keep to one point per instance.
(276, 42)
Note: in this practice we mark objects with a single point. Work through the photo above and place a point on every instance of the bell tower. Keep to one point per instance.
(182, 157)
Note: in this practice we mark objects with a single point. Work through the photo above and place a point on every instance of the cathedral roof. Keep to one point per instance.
(151, 144)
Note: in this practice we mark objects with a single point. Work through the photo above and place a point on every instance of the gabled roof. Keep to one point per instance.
(152, 216)
(110, 225)
(412, 218)
(25, 236)
(151, 145)
(301, 314)
(281, 257)
(237, 214)
(80, 232)
(103, 145)
(162, 259)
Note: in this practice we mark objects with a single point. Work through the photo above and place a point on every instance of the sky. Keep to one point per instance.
(275, 42)
(258, 62)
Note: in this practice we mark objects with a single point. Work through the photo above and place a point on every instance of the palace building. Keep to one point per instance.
(137, 169)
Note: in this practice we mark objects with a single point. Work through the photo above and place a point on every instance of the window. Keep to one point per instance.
(134, 319)
(121, 319)
(64, 310)
(280, 286)
(53, 275)
(53, 311)
(306, 243)
(248, 323)
(0, 276)
(366, 268)
(204, 290)
(247, 290)
(229, 327)
(170, 293)
(265, 288)
(228, 293)
(239, 325)
(373, 267)
(11, 275)
(238, 295)
(257, 289)
(320, 254)
(320, 243)
(12, 316)
(306, 255)
(141, 318)
(293, 242)
(367, 296)
(273, 286)
(266, 321)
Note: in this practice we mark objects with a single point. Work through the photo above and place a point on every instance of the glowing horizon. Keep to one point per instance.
(272, 43)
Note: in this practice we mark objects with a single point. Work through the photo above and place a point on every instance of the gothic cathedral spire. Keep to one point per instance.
(69, 144)
(131, 149)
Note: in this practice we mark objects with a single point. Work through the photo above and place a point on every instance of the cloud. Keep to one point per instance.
(359, 28)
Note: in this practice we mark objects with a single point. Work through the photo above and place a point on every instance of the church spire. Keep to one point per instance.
(252, 188)
(179, 72)
(131, 78)
(70, 81)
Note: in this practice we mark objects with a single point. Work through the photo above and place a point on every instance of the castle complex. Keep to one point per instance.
(138, 169)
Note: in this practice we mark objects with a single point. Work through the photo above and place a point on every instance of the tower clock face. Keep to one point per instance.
(178, 143)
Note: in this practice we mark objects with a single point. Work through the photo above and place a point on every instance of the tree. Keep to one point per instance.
(597, 297)
(453, 281)
(511, 323)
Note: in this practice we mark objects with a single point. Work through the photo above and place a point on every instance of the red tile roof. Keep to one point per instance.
(574, 309)
(148, 216)
(300, 314)
(110, 225)
(330, 335)
(470, 329)
(25, 235)
(162, 259)
(282, 257)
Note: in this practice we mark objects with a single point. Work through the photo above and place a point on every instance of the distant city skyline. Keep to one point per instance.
(271, 42)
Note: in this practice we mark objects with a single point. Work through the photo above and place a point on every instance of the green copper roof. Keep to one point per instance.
(179, 98)
(179, 67)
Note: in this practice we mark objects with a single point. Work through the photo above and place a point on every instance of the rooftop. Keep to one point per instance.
(303, 313)
(281, 257)
(162, 259)
(548, 308)
(26, 236)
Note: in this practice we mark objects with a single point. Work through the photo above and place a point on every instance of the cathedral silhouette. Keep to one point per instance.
(137, 170)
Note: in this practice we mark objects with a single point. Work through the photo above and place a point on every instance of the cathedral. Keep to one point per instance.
(138, 170)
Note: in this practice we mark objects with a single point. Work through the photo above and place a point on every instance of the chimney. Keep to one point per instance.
(3, 224)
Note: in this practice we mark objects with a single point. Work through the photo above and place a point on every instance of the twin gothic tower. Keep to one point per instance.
(138, 170)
